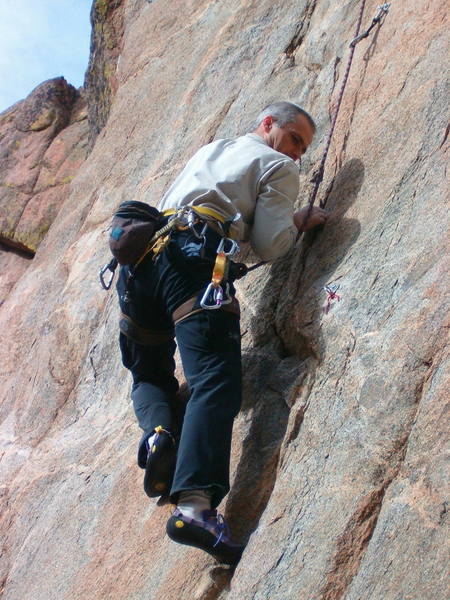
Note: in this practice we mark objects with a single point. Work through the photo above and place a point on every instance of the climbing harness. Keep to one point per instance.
(130, 228)
(217, 294)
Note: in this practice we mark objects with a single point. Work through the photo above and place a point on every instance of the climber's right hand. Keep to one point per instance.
(317, 217)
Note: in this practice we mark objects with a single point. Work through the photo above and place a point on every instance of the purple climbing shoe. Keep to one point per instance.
(210, 535)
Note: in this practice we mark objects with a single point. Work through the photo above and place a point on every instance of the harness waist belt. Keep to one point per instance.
(192, 306)
(141, 335)
(203, 211)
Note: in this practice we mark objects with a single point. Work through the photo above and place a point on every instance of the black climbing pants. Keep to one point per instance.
(209, 346)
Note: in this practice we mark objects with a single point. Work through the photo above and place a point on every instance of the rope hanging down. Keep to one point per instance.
(318, 175)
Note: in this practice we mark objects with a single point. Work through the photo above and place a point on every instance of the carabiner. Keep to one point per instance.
(192, 220)
(332, 288)
(228, 299)
(111, 266)
(234, 246)
(208, 301)
(213, 298)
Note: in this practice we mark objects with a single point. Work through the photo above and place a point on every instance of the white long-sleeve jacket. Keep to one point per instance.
(243, 175)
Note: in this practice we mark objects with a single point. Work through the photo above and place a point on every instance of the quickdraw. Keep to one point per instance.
(382, 11)
(215, 295)
(331, 296)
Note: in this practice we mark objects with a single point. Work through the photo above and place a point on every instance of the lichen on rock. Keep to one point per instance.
(42, 148)
(107, 18)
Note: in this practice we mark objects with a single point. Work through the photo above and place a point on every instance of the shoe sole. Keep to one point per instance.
(159, 470)
(191, 535)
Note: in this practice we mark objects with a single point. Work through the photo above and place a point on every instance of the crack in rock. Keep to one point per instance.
(352, 544)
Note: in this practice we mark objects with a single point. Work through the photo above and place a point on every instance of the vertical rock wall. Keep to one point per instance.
(338, 456)
(43, 143)
(107, 20)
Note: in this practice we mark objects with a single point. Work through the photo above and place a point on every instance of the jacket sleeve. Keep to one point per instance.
(273, 231)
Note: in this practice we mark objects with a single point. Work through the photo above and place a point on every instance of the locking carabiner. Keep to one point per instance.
(214, 297)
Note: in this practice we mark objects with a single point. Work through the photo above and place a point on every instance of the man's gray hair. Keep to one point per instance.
(283, 113)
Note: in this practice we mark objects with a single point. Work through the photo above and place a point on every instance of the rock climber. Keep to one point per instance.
(240, 189)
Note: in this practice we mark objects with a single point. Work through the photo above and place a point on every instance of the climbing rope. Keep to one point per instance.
(318, 175)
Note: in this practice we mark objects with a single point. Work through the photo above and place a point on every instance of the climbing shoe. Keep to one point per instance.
(160, 465)
(210, 534)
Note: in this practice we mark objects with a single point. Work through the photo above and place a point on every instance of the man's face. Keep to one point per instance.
(292, 140)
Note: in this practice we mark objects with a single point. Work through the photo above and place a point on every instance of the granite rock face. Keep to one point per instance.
(107, 20)
(339, 458)
(43, 143)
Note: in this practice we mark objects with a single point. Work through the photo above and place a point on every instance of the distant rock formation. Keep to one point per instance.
(43, 144)
(339, 471)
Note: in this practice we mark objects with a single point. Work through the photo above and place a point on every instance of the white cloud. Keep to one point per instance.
(41, 39)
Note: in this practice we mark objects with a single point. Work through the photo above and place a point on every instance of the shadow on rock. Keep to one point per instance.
(300, 307)
(266, 378)
(285, 347)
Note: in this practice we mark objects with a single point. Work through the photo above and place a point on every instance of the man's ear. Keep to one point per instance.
(267, 122)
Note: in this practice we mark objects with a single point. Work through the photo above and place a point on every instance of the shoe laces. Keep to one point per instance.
(220, 527)
(213, 522)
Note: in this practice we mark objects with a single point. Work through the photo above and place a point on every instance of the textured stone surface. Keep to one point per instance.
(12, 267)
(43, 143)
(107, 20)
(339, 464)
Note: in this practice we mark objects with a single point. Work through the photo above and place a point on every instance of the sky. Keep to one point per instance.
(39, 40)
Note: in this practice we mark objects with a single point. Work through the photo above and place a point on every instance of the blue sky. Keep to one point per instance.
(41, 39)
